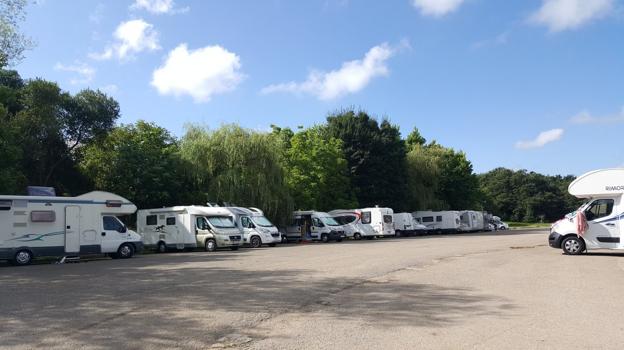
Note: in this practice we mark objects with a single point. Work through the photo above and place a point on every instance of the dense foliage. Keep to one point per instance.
(71, 142)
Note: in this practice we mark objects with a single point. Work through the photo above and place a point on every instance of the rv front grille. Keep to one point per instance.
(235, 238)
(274, 234)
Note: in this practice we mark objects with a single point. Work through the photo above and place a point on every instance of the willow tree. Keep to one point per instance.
(237, 166)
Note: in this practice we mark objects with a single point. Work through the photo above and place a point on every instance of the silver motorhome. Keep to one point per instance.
(313, 225)
(256, 228)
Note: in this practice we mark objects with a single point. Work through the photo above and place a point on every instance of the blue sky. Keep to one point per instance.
(531, 84)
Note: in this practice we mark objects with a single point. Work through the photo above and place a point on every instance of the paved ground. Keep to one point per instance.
(484, 291)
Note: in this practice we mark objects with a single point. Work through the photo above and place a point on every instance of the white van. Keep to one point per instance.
(314, 226)
(257, 229)
(406, 225)
(439, 221)
(35, 226)
(604, 211)
(187, 227)
(471, 221)
(380, 219)
(351, 221)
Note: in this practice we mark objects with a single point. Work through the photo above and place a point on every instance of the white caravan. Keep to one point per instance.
(351, 221)
(471, 221)
(257, 229)
(34, 226)
(604, 211)
(406, 225)
(314, 226)
(439, 221)
(187, 227)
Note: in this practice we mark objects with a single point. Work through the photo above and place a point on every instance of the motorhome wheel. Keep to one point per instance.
(357, 236)
(324, 238)
(397, 234)
(125, 251)
(211, 245)
(573, 245)
(162, 247)
(255, 242)
(23, 257)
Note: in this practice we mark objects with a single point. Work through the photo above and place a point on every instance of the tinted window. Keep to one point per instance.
(427, 219)
(171, 221)
(599, 208)
(42, 216)
(201, 223)
(151, 220)
(387, 219)
(438, 218)
(366, 217)
(111, 223)
(246, 222)
(5, 205)
(316, 222)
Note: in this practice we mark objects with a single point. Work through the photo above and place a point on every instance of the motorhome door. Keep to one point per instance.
(603, 227)
(72, 229)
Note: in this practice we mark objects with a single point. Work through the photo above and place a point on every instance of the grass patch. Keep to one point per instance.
(514, 224)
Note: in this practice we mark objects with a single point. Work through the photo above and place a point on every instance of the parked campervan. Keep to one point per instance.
(351, 221)
(406, 225)
(35, 226)
(439, 221)
(184, 227)
(257, 229)
(603, 210)
(471, 221)
(380, 219)
(314, 226)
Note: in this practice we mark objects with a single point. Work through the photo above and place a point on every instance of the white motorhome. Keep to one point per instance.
(406, 225)
(380, 219)
(35, 226)
(604, 210)
(439, 221)
(257, 229)
(471, 221)
(351, 221)
(187, 227)
(314, 226)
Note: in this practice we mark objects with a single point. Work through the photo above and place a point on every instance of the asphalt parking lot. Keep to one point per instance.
(484, 291)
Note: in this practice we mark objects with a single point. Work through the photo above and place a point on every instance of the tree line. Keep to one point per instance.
(50, 137)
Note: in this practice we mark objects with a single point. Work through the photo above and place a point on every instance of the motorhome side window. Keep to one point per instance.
(5, 205)
(387, 219)
(366, 217)
(246, 222)
(599, 208)
(171, 221)
(317, 222)
(151, 220)
(111, 223)
(427, 219)
(42, 216)
(438, 218)
(201, 223)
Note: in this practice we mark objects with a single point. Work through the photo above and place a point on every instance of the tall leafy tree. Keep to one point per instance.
(138, 161)
(13, 43)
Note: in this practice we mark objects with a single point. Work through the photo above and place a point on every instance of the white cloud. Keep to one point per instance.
(560, 15)
(436, 8)
(352, 76)
(199, 73)
(158, 6)
(585, 117)
(542, 139)
(84, 73)
(131, 37)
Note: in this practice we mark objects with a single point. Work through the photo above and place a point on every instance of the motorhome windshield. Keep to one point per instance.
(329, 221)
(221, 221)
(262, 221)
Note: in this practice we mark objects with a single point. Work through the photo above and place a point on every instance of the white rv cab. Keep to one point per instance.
(36, 226)
(439, 221)
(313, 225)
(256, 228)
(187, 227)
(406, 225)
(351, 221)
(604, 210)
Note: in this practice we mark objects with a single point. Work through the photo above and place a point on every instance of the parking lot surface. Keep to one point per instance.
(468, 291)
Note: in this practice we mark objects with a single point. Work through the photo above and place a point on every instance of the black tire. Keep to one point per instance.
(357, 236)
(573, 245)
(22, 258)
(125, 251)
(210, 245)
(234, 248)
(324, 238)
(162, 247)
(272, 244)
(255, 242)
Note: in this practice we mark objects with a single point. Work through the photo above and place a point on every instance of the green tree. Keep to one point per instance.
(414, 139)
(316, 171)
(12, 42)
(13, 180)
(423, 176)
(237, 166)
(138, 161)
